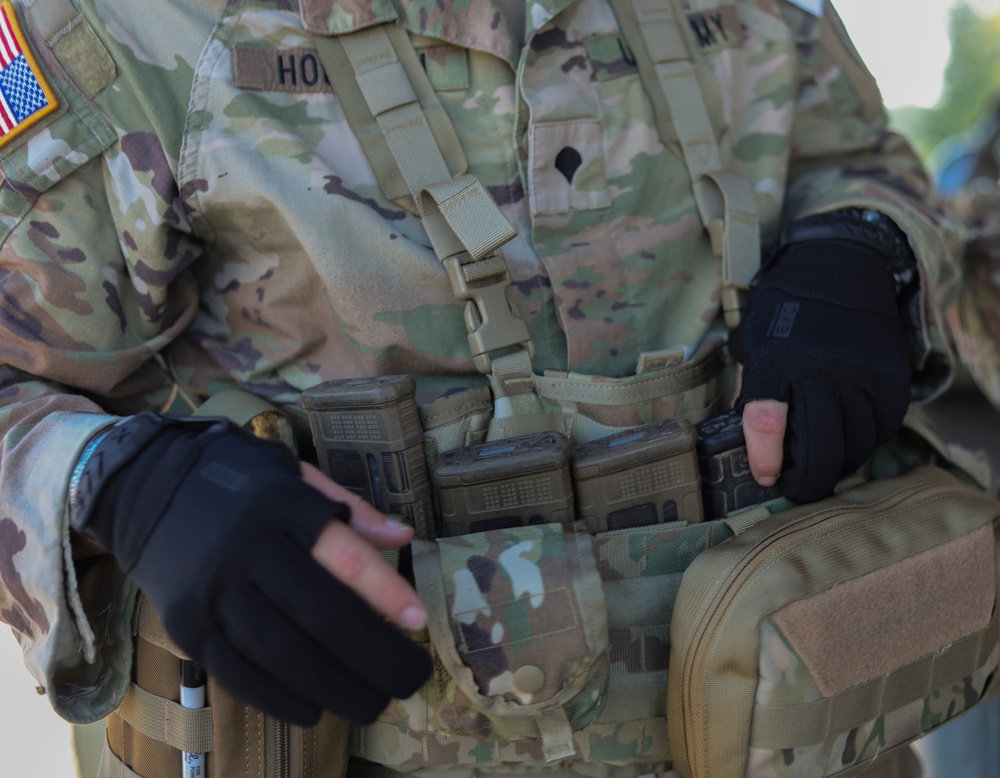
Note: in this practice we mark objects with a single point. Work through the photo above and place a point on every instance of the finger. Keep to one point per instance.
(337, 618)
(371, 524)
(269, 638)
(248, 683)
(815, 442)
(859, 430)
(353, 561)
(764, 423)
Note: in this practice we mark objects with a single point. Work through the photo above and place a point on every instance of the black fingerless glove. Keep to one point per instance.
(216, 527)
(822, 332)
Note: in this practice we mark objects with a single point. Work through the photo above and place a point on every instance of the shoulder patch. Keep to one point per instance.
(25, 95)
(815, 7)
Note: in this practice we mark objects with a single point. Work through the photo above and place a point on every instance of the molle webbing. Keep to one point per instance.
(788, 726)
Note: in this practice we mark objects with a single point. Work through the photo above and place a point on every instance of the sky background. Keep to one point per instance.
(905, 44)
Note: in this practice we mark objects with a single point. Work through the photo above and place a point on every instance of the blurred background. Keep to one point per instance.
(938, 65)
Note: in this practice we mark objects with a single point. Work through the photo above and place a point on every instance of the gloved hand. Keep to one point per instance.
(822, 332)
(217, 528)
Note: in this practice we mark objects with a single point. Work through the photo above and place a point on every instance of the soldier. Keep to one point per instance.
(202, 195)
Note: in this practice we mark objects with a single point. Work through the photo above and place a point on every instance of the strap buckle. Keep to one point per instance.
(491, 319)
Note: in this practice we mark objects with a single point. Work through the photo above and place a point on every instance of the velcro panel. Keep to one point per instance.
(867, 627)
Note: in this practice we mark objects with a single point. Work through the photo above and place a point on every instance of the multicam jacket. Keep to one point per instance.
(180, 224)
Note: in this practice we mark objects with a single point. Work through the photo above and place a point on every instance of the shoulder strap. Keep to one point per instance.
(413, 148)
(658, 33)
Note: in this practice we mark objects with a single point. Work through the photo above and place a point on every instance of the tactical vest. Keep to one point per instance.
(561, 664)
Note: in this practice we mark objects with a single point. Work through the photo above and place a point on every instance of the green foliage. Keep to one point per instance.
(971, 83)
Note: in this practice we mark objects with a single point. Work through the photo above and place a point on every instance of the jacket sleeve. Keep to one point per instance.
(95, 281)
(844, 155)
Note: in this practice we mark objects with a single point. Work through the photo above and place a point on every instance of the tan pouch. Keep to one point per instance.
(150, 730)
(831, 634)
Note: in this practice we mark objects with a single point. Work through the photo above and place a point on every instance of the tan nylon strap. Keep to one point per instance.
(681, 379)
(626, 12)
(506, 427)
(395, 107)
(111, 766)
(557, 734)
(237, 405)
(659, 25)
(655, 31)
(791, 726)
(461, 216)
(147, 624)
(373, 143)
(186, 729)
(729, 210)
(745, 519)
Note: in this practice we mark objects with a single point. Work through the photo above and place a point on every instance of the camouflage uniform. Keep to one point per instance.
(182, 217)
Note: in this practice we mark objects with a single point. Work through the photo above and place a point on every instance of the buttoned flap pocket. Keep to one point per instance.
(49, 126)
(518, 624)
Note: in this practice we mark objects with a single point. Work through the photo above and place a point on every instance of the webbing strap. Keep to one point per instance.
(461, 216)
(637, 389)
(111, 766)
(729, 212)
(186, 729)
(237, 405)
(656, 32)
(556, 733)
(395, 114)
(791, 726)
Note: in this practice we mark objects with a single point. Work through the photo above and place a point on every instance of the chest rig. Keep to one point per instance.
(560, 698)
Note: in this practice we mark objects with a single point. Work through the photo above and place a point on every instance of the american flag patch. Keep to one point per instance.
(25, 95)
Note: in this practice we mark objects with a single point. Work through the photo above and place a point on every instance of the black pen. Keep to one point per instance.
(192, 696)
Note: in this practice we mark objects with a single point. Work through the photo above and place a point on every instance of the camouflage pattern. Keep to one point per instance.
(515, 602)
(784, 680)
(505, 599)
(181, 231)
